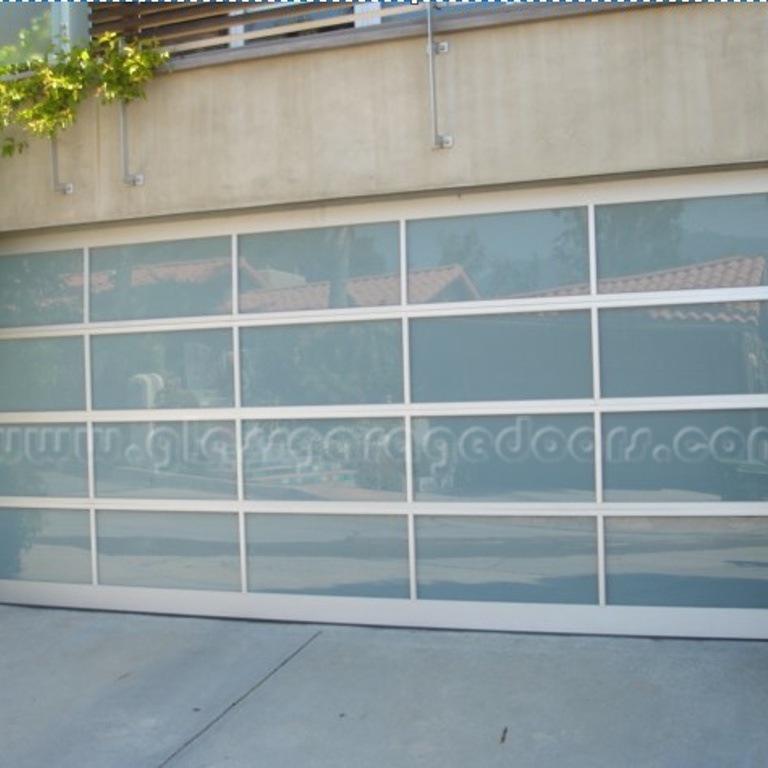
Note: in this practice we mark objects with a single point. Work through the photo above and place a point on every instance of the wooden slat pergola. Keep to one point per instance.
(187, 27)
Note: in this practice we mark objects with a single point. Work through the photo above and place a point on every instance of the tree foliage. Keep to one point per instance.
(40, 97)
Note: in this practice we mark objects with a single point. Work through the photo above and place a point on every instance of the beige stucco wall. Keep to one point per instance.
(640, 91)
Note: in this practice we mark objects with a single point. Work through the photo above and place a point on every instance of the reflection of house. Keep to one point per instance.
(449, 283)
(730, 272)
(202, 272)
(691, 335)
(270, 290)
(733, 313)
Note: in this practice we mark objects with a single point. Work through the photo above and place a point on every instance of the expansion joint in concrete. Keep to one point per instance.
(237, 702)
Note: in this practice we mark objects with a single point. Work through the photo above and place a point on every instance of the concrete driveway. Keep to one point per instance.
(106, 690)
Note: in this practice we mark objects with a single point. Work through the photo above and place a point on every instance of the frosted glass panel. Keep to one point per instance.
(165, 460)
(519, 560)
(324, 459)
(496, 256)
(42, 375)
(168, 549)
(674, 245)
(328, 555)
(45, 545)
(504, 458)
(697, 561)
(41, 289)
(322, 364)
(691, 349)
(43, 460)
(332, 267)
(695, 456)
(185, 369)
(180, 278)
(501, 357)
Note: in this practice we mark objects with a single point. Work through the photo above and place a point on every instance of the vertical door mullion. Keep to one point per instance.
(238, 403)
(597, 394)
(90, 462)
(408, 445)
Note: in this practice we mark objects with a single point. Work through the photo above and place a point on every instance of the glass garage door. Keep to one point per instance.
(548, 418)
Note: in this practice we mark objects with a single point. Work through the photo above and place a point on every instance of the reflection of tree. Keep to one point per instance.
(492, 276)
(316, 254)
(570, 248)
(116, 363)
(16, 532)
(386, 474)
(647, 234)
(159, 285)
(755, 346)
(38, 289)
(331, 256)
(17, 527)
(518, 253)
(342, 363)
(345, 363)
(341, 241)
(42, 374)
(466, 248)
(20, 480)
(165, 369)
(315, 457)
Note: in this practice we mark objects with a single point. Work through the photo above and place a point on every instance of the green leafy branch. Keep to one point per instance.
(41, 96)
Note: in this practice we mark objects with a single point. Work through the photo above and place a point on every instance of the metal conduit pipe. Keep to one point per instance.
(439, 140)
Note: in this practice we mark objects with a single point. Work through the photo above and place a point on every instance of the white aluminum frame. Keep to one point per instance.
(600, 618)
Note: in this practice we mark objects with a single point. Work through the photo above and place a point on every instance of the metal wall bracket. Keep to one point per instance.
(129, 179)
(439, 140)
(60, 187)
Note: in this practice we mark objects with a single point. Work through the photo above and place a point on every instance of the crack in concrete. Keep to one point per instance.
(287, 660)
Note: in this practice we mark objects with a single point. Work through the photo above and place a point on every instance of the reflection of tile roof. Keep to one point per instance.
(426, 284)
(312, 296)
(275, 292)
(197, 271)
(731, 272)
(746, 312)
(369, 291)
